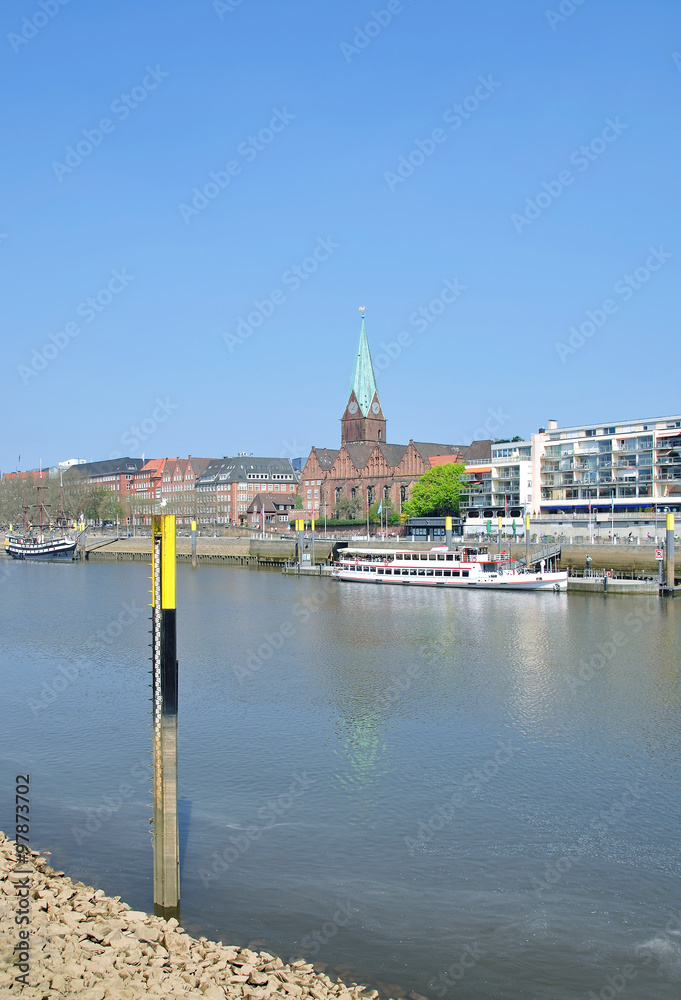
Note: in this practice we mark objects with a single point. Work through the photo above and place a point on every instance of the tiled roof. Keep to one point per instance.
(326, 457)
(108, 467)
(239, 468)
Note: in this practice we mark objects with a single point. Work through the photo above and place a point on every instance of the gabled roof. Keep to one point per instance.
(199, 464)
(392, 453)
(363, 380)
(359, 453)
(426, 449)
(326, 457)
(273, 504)
(477, 449)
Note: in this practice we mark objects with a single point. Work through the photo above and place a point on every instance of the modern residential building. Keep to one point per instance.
(626, 466)
(227, 486)
(500, 486)
(365, 468)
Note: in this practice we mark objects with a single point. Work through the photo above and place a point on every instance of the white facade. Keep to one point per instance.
(632, 465)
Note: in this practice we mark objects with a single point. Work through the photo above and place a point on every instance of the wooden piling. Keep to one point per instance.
(194, 558)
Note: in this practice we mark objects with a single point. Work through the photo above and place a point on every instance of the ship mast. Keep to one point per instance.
(41, 510)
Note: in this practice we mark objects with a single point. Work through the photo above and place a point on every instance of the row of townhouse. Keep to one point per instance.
(631, 466)
(210, 491)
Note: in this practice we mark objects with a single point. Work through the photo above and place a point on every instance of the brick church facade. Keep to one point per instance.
(365, 468)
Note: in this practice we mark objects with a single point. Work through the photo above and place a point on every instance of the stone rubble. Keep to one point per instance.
(90, 946)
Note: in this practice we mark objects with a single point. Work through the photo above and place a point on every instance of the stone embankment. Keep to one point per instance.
(86, 945)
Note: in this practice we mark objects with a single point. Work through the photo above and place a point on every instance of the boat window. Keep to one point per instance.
(365, 568)
(413, 572)
(458, 558)
(441, 558)
(447, 572)
(389, 572)
(429, 572)
(422, 572)
(424, 555)
(456, 572)
(380, 570)
(438, 572)
(464, 572)
(373, 569)
(432, 558)
(449, 558)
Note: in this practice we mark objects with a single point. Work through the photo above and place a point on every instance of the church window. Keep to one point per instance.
(386, 492)
(353, 492)
(403, 493)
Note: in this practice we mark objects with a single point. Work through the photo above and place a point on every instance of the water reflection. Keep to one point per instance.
(386, 700)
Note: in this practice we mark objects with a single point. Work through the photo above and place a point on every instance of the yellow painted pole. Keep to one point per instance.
(164, 687)
(194, 557)
(669, 553)
(448, 531)
(527, 542)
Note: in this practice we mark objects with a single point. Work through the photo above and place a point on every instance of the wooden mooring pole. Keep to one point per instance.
(164, 684)
(194, 559)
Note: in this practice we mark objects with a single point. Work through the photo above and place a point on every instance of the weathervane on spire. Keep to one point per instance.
(361, 309)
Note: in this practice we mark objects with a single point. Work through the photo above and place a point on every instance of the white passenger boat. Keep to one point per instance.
(472, 567)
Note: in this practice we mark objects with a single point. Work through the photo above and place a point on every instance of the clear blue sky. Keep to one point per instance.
(347, 107)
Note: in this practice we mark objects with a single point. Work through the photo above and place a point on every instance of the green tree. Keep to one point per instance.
(299, 503)
(349, 508)
(436, 493)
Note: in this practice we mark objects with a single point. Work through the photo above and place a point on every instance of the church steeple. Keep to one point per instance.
(363, 379)
(363, 420)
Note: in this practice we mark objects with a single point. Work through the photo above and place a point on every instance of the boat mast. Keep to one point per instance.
(41, 509)
(61, 517)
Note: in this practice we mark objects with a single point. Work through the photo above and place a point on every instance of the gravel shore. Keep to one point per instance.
(88, 945)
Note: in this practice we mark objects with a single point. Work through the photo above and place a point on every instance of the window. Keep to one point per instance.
(353, 492)
(403, 493)
(339, 492)
(386, 492)
(370, 494)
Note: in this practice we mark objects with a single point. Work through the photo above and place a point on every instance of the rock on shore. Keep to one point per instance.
(88, 945)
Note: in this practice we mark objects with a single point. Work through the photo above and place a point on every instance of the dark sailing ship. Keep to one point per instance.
(43, 541)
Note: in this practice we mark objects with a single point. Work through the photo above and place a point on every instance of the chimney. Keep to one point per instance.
(552, 425)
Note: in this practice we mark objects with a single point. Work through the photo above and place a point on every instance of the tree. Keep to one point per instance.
(349, 508)
(436, 492)
(299, 503)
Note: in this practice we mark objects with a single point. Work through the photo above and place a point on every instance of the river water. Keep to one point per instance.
(471, 795)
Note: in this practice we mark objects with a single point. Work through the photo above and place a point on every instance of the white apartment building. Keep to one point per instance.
(632, 466)
(501, 486)
(628, 467)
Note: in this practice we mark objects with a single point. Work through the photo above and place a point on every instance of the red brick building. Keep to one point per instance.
(365, 468)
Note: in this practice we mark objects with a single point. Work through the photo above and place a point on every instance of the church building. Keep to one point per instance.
(366, 469)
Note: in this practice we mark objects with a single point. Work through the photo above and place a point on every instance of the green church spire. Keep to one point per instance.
(363, 381)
